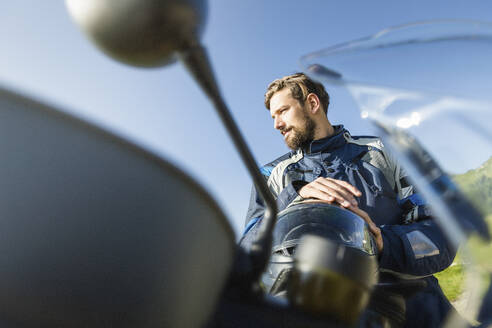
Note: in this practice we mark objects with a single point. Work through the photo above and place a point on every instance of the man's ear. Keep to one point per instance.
(314, 104)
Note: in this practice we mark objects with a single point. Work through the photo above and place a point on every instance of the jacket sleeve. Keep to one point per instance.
(416, 247)
(256, 207)
(256, 210)
(284, 196)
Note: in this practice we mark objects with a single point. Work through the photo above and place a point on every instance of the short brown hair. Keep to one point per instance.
(300, 86)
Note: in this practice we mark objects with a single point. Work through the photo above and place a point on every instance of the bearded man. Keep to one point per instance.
(328, 164)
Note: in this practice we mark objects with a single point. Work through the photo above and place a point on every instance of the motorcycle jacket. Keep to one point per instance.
(414, 247)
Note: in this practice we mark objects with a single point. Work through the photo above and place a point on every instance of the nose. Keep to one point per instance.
(278, 124)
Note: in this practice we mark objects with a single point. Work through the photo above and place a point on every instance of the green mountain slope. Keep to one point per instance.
(477, 186)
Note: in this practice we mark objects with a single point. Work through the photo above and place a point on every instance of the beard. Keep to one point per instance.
(301, 136)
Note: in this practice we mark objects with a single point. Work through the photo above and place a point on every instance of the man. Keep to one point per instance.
(328, 164)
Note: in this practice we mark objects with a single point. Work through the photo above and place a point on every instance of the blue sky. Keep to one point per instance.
(250, 43)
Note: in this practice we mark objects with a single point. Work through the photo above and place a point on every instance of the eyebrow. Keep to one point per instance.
(279, 109)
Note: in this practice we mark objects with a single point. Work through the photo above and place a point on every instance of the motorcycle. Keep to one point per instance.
(94, 228)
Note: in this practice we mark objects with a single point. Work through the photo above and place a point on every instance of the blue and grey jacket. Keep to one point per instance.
(414, 247)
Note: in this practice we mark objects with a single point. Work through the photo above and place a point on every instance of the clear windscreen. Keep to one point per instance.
(427, 90)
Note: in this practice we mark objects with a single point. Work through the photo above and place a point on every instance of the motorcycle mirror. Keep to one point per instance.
(152, 33)
(140, 33)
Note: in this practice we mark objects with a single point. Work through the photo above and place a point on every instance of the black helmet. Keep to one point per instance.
(318, 247)
(324, 220)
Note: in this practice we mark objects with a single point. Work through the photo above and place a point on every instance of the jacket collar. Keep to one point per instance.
(336, 140)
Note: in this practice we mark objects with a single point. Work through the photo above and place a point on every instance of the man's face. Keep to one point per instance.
(291, 119)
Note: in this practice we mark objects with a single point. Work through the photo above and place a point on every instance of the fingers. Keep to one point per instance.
(352, 189)
(314, 191)
(378, 238)
(331, 190)
(338, 190)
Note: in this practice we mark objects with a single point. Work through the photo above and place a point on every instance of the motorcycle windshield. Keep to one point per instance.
(427, 90)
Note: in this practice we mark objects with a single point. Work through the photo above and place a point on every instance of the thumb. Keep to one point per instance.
(372, 226)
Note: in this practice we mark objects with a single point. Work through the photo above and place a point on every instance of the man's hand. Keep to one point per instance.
(342, 193)
(331, 191)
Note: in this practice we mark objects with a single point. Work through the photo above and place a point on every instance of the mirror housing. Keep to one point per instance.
(140, 33)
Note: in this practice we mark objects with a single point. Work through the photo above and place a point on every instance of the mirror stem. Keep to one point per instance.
(196, 60)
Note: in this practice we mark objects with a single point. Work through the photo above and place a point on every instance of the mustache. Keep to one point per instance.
(285, 130)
